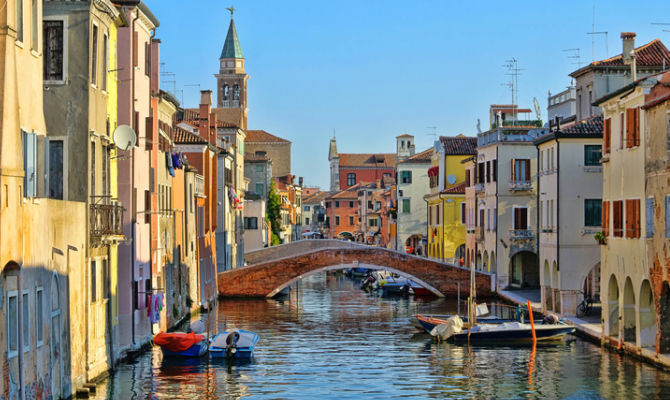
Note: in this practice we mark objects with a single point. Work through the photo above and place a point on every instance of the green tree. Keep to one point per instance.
(273, 213)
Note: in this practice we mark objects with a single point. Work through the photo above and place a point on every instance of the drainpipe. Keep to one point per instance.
(132, 175)
(427, 228)
(443, 227)
(496, 216)
(537, 212)
(19, 302)
(558, 209)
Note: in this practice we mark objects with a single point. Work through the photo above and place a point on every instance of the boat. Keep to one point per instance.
(180, 344)
(236, 343)
(512, 332)
(429, 321)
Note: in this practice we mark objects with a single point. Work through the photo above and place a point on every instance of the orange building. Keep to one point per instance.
(342, 219)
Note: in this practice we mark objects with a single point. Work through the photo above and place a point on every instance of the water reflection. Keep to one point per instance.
(328, 339)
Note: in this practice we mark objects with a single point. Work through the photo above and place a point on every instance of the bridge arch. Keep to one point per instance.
(274, 268)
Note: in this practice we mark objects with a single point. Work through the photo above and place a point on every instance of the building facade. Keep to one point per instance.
(412, 184)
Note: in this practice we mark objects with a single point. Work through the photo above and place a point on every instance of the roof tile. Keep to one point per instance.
(459, 145)
(367, 160)
(261, 136)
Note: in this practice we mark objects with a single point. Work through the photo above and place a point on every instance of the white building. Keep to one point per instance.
(412, 185)
(570, 187)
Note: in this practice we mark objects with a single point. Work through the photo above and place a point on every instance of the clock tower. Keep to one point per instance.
(231, 80)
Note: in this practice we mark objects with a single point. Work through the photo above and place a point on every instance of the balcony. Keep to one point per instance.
(479, 233)
(200, 186)
(105, 219)
(521, 234)
(520, 186)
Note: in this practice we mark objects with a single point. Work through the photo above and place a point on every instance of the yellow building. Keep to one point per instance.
(42, 238)
(446, 201)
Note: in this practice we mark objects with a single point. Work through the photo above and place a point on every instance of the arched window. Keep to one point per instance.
(236, 92)
(225, 92)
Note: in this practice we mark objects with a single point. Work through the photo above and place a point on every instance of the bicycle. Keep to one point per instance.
(585, 307)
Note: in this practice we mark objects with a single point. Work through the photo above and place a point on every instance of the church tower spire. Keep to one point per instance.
(232, 79)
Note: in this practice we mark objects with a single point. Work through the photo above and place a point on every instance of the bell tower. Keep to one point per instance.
(231, 80)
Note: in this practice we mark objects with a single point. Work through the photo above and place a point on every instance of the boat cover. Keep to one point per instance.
(177, 341)
(453, 325)
(507, 326)
(246, 339)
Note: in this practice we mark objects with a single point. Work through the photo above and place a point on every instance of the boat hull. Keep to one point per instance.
(197, 350)
(543, 333)
(241, 351)
(428, 322)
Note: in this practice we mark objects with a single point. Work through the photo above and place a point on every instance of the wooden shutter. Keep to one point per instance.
(618, 218)
(630, 127)
(148, 133)
(495, 170)
(605, 218)
(513, 164)
(632, 220)
(147, 207)
(527, 170)
(607, 135)
(636, 134)
(636, 219)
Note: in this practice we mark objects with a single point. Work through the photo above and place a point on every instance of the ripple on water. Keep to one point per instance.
(329, 339)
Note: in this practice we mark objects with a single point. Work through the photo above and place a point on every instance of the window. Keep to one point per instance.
(12, 324)
(373, 222)
(351, 220)
(306, 208)
(260, 189)
(520, 218)
(337, 220)
(592, 154)
(488, 219)
(39, 315)
(633, 218)
(520, 170)
(328, 204)
(592, 212)
(351, 204)
(94, 56)
(53, 50)
(94, 285)
(93, 169)
(369, 204)
(236, 92)
(29, 164)
(19, 20)
(351, 179)
(617, 223)
(607, 135)
(463, 213)
(480, 172)
(147, 59)
(543, 221)
(105, 62)
(251, 222)
(649, 216)
(259, 168)
(406, 176)
(495, 170)
(201, 221)
(105, 279)
(105, 170)
(632, 127)
(621, 131)
(405, 206)
(226, 89)
(488, 171)
(307, 221)
(25, 321)
(34, 14)
(606, 218)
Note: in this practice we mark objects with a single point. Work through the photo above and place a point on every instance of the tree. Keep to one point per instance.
(273, 213)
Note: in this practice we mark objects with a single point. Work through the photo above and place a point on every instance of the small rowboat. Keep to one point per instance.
(178, 344)
(429, 321)
(236, 343)
(513, 332)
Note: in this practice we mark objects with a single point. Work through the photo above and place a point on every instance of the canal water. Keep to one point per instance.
(329, 339)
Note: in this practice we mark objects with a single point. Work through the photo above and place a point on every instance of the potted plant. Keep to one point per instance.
(600, 238)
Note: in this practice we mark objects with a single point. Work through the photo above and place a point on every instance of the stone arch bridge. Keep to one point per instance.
(271, 269)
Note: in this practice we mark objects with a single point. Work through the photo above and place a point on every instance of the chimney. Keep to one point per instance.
(300, 181)
(628, 39)
(203, 114)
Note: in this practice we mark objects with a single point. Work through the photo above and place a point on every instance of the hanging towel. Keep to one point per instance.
(160, 301)
(148, 300)
(155, 313)
(176, 162)
(170, 166)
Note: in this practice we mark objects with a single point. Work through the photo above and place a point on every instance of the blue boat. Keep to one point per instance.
(236, 343)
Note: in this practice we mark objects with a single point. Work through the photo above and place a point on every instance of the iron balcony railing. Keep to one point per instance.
(521, 234)
(106, 219)
(519, 186)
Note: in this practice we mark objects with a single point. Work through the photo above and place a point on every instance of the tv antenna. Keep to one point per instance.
(165, 74)
(662, 24)
(434, 134)
(593, 34)
(514, 71)
(574, 53)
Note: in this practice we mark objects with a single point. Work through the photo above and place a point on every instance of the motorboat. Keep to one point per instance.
(180, 344)
(235, 343)
(513, 332)
(429, 321)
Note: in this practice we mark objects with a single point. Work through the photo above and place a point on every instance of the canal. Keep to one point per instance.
(328, 339)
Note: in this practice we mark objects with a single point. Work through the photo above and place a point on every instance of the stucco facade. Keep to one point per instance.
(412, 185)
(570, 187)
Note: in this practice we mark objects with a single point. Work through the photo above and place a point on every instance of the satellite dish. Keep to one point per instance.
(537, 108)
(124, 137)
(451, 179)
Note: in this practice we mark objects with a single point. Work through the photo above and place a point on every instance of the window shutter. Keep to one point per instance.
(630, 128)
(649, 217)
(637, 126)
(527, 170)
(637, 219)
(667, 217)
(495, 170)
(513, 165)
(605, 218)
(607, 134)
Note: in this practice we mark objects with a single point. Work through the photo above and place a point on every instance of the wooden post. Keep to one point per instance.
(532, 322)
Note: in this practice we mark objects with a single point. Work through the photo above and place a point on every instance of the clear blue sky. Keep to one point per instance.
(374, 69)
